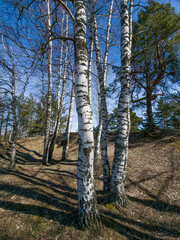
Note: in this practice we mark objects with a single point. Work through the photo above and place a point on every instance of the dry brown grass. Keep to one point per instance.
(40, 202)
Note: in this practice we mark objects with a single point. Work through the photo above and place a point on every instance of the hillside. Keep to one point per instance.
(40, 202)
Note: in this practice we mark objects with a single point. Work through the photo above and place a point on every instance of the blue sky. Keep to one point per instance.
(115, 57)
(174, 3)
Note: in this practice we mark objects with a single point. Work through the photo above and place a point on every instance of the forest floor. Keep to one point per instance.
(40, 202)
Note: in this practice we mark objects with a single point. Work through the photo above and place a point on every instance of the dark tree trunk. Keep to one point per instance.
(2, 120)
(6, 129)
(97, 144)
(150, 119)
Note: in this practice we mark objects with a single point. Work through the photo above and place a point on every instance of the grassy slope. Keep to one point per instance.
(40, 202)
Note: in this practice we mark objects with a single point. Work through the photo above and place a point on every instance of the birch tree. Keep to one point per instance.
(101, 69)
(6, 128)
(10, 68)
(87, 211)
(122, 135)
(99, 131)
(49, 96)
(68, 126)
(14, 130)
(60, 102)
(90, 56)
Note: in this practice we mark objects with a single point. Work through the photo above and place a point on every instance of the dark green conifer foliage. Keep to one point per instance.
(167, 113)
(135, 121)
(155, 55)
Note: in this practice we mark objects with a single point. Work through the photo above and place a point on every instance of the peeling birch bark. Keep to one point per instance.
(87, 210)
(121, 143)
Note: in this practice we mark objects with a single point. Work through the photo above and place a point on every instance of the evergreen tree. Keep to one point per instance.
(135, 120)
(154, 55)
(167, 113)
(26, 107)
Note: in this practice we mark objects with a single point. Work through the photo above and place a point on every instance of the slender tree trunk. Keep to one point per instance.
(60, 68)
(121, 143)
(99, 131)
(68, 126)
(6, 129)
(58, 96)
(130, 25)
(98, 140)
(101, 69)
(60, 109)
(130, 48)
(107, 41)
(14, 130)
(90, 66)
(2, 120)
(87, 211)
(49, 96)
(150, 119)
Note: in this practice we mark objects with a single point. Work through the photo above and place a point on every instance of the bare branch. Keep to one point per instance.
(67, 9)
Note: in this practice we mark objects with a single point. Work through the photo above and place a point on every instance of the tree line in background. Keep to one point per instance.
(30, 117)
(57, 53)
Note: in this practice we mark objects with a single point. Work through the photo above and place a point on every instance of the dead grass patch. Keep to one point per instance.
(40, 202)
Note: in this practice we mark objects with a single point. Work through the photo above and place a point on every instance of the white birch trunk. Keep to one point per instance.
(14, 129)
(99, 131)
(60, 76)
(121, 143)
(68, 126)
(107, 41)
(90, 67)
(130, 24)
(101, 69)
(87, 211)
(130, 49)
(49, 96)
(60, 109)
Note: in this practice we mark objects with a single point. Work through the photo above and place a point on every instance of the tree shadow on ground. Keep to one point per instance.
(56, 205)
(158, 228)
(29, 150)
(26, 158)
(157, 205)
(137, 139)
(66, 218)
(59, 173)
(22, 158)
(136, 230)
(151, 203)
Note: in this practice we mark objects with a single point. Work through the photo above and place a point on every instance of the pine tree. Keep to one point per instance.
(155, 54)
